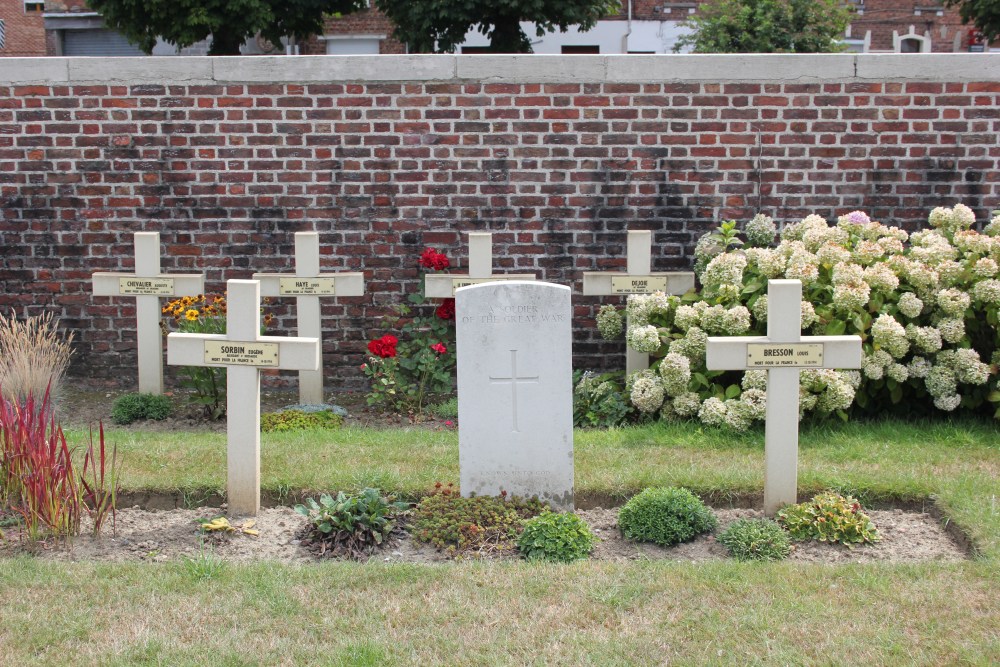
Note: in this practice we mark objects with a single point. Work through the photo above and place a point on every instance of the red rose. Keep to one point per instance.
(446, 311)
(439, 348)
(432, 259)
(383, 347)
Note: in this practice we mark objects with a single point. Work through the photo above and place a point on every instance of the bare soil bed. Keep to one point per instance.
(171, 535)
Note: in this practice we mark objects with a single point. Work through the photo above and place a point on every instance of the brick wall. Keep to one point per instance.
(228, 157)
(24, 31)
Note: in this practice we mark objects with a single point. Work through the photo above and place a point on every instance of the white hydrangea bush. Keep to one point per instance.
(925, 305)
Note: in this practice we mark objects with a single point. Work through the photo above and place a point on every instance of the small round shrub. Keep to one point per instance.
(756, 539)
(829, 517)
(665, 516)
(133, 407)
(556, 537)
(446, 409)
(297, 420)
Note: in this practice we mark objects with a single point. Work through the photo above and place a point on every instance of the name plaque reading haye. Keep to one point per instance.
(638, 284)
(146, 286)
(236, 353)
(307, 286)
(786, 355)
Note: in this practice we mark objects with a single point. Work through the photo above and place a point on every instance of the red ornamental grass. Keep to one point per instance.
(99, 480)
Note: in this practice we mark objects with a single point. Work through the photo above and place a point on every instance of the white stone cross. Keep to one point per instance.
(243, 351)
(637, 279)
(308, 285)
(443, 285)
(147, 285)
(514, 379)
(782, 353)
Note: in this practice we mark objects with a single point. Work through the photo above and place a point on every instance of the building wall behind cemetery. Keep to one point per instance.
(384, 156)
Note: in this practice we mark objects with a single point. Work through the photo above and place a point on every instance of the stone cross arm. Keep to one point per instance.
(296, 354)
(730, 353)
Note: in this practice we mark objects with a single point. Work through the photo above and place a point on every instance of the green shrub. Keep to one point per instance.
(829, 517)
(477, 525)
(297, 420)
(599, 402)
(351, 525)
(665, 516)
(446, 409)
(561, 538)
(756, 539)
(134, 407)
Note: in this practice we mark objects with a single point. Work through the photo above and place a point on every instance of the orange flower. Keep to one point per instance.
(191, 315)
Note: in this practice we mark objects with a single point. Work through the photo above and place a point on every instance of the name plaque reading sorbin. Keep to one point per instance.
(784, 355)
(146, 286)
(236, 353)
(638, 284)
(307, 287)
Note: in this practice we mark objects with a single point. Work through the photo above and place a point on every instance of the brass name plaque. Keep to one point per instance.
(784, 355)
(146, 286)
(638, 284)
(307, 286)
(236, 353)
(465, 282)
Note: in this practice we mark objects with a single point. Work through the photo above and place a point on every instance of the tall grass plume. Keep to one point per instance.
(34, 356)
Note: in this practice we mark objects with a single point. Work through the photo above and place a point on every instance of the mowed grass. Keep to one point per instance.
(589, 613)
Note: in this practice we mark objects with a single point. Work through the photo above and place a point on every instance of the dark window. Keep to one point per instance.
(476, 49)
(909, 46)
(575, 48)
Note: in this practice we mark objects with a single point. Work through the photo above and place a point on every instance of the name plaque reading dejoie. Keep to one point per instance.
(784, 355)
(146, 286)
(237, 353)
(307, 286)
(638, 284)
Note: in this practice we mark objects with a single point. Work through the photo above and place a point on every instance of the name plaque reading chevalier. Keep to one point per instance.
(146, 286)
(784, 355)
(638, 284)
(307, 287)
(237, 353)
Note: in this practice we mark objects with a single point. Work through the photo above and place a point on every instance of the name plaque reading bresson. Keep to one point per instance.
(146, 286)
(784, 355)
(307, 287)
(236, 353)
(638, 284)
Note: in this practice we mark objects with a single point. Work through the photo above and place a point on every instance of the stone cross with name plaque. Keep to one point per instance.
(308, 286)
(782, 353)
(637, 279)
(243, 351)
(147, 286)
(515, 403)
(443, 285)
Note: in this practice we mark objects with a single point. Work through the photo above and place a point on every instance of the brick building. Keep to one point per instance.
(22, 32)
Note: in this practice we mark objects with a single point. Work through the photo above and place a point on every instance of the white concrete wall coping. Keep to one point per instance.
(807, 68)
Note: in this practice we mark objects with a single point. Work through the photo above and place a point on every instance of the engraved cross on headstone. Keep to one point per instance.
(514, 379)
(147, 285)
(782, 353)
(443, 285)
(637, 279)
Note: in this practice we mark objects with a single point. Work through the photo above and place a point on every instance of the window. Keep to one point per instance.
(3, 34)
(574, 48)
(909, 45)
(33, 6)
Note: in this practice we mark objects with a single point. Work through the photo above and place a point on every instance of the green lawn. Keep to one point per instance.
(591, 613)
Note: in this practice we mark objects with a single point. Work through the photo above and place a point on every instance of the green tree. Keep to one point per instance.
(229, 22)
(767, 26)
(984, 14)
(429, 26)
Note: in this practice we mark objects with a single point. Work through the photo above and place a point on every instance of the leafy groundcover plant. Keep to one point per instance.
(351, 525)
(756, 539)
(134, 407)
(556, 537)
(665, 516)
(829, 517)
(925, 304)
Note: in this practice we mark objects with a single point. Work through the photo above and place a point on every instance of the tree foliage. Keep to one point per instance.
(767, 26)
(440, 26)
(229, 22)
(984, 14)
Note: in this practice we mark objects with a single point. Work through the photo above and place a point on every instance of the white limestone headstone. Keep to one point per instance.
(637, 279)
(147, 286)
(243, 352)
(515, 403)
(308, 285)
(782, 353)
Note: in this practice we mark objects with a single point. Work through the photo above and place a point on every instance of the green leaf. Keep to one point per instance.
(732, 391)
(836, 328)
